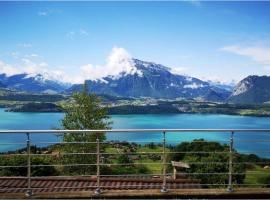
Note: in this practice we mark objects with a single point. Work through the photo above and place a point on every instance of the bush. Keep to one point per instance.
(203, 163)
(265, 180)
(22, 171)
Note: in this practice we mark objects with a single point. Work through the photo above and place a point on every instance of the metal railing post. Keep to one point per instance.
(230, 187)
(164, 186)
(29, 192)
(98, 190)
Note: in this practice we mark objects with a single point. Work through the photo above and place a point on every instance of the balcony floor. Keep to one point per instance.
(239, 193)
(59, 187)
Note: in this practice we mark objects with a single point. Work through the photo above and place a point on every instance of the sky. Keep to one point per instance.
(73, 41)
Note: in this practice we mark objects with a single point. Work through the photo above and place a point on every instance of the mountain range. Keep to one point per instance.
(32, 83)
(148, 79)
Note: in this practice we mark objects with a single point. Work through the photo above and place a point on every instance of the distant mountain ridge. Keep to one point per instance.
(252, 89)
(149, 79)
(227, 86)
(36, 83)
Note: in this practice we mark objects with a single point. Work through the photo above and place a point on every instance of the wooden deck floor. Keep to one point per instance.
(119, 188)
(240, 193)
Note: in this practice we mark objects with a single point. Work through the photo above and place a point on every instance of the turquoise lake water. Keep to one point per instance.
(15, 121)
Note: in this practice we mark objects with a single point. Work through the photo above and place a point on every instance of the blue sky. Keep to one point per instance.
(77, 40)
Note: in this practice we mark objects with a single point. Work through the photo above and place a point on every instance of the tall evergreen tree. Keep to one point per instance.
(84, 112)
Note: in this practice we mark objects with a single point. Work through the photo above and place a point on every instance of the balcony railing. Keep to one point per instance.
(99, 178)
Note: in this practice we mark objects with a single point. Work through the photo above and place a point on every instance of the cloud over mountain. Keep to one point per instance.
(32, 69)
(118, 61)
(8, 69)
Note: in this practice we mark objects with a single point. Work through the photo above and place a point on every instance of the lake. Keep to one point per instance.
(15, 121)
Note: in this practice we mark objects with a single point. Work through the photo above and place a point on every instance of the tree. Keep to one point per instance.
(151, 145)
(84, 112)
(124, 159)
(210, 168)
(21, 160)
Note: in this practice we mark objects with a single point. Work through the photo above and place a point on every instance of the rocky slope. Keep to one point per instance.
(252, 89)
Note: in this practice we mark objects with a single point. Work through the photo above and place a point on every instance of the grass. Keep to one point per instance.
(253, 177)
(145, 149)
(112, 150)
(154, 168)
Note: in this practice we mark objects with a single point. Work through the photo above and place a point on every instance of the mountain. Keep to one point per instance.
(216, 95)
(148, 79)
(226, 86)
(2, 85)
(32, 83)
(252, 89)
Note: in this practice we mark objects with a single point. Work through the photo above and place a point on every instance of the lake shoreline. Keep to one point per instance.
(160, 107)
(47, 121)
(142, 113)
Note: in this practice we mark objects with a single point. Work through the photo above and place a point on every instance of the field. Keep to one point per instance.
(257, 176)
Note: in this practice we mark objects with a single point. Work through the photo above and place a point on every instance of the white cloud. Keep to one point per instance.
(7, 69)
(119, 61)
(261, 55)
(80, 32)
(33, 68)
(33, 55)
(194, 2)
(15, 54)
(42, 13)
(83, 32)
(220, 79)
(24, 45)
(267, 68)
(47, 12)
(70, 34)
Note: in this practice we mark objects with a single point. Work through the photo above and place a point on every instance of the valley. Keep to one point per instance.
(27, 102)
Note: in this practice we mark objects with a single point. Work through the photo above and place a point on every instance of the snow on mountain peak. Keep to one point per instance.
(119, 63)
(193, 86)
(149, 65)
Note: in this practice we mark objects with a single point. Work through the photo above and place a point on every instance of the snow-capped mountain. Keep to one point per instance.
(252, 89)
(125, 77)
(32, 83)
(148, 79)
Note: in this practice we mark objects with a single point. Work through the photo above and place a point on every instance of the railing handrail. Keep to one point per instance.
(164, 153)
(133, 130)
